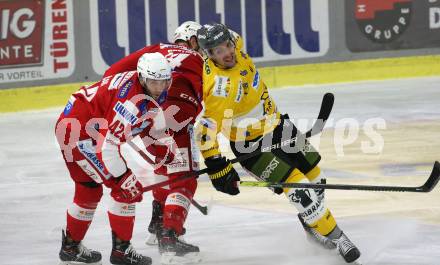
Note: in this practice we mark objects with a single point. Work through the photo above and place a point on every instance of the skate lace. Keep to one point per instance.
(344, 244)
(132, 252)
(83, 251)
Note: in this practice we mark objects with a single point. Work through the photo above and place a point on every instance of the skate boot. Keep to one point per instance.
(314, 237)
(346, 248)
(175, 251)
(123, 253)
(73, 252)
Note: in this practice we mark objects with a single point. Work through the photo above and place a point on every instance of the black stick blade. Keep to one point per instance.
(433, 179)
(324, 112)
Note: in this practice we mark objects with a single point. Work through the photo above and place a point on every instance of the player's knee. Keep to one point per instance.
(189, 186)
(177, 206)
(121, 209)
(160, 194)
(316, 175)
(87, 194)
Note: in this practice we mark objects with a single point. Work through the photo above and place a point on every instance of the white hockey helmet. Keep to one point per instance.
(153, 66)
(186, 30)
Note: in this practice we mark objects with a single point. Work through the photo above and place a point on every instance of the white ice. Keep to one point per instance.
(35, 190)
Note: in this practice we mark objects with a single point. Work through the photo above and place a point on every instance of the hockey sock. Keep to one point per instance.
(81, 211)
(176, 210)
(122, 217)
(311, 208)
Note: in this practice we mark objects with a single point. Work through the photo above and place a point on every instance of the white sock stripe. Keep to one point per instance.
(81, 213)
(178, 199)
(122, 209)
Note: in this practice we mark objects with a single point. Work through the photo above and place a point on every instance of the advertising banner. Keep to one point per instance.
(36, 40)
(373, 25)
(273, 30)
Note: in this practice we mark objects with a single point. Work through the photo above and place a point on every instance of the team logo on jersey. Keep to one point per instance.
(383, 21)
(69, 106)
(125, 113)
(220, 86)
(123, 91)
(243, 73)
(256, 81)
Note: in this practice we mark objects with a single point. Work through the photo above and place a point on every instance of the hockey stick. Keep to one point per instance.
(426, 187)
(324, 113)
(203, 209)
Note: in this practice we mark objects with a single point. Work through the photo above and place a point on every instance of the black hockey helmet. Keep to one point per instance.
(211, 35)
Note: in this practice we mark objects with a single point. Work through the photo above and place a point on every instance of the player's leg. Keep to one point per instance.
(79, 218)
(286, 165)
(86, 198)
(122, 217)
(175, 210)
(316, 218)
(156, 221)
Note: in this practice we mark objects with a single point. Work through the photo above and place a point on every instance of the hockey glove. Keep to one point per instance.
(223, 175)
(127, 188)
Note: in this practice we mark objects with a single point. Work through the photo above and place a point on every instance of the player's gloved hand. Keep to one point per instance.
(223, 176)
(127, 188)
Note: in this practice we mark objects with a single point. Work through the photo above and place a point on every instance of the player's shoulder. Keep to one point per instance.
(174, 48)
(123, 85)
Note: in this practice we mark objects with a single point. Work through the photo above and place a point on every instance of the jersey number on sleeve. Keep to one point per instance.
(117, 128)
(88, 92)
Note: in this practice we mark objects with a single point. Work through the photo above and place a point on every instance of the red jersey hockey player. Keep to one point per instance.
(95, 122)
(171, 204)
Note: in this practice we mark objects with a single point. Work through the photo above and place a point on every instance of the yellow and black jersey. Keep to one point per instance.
(237, 103)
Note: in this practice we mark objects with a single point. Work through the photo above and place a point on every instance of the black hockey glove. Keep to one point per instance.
(223, 175)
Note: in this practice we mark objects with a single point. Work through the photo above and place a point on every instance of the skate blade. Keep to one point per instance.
(358, 261)
(78, 263)
(172, 259)
(151, 240)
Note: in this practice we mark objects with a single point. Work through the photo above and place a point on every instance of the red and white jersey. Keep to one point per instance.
(185, 93)
(117, 108)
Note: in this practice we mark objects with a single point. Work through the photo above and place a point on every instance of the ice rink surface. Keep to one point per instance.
(255, 227)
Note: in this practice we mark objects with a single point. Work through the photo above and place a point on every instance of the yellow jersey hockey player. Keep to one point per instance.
(238, 105)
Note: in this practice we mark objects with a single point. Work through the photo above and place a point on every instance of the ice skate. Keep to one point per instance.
(123, 253)
(175, 251)
(315, 237)
(347, 249)
(74, 253)
(156, 225)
